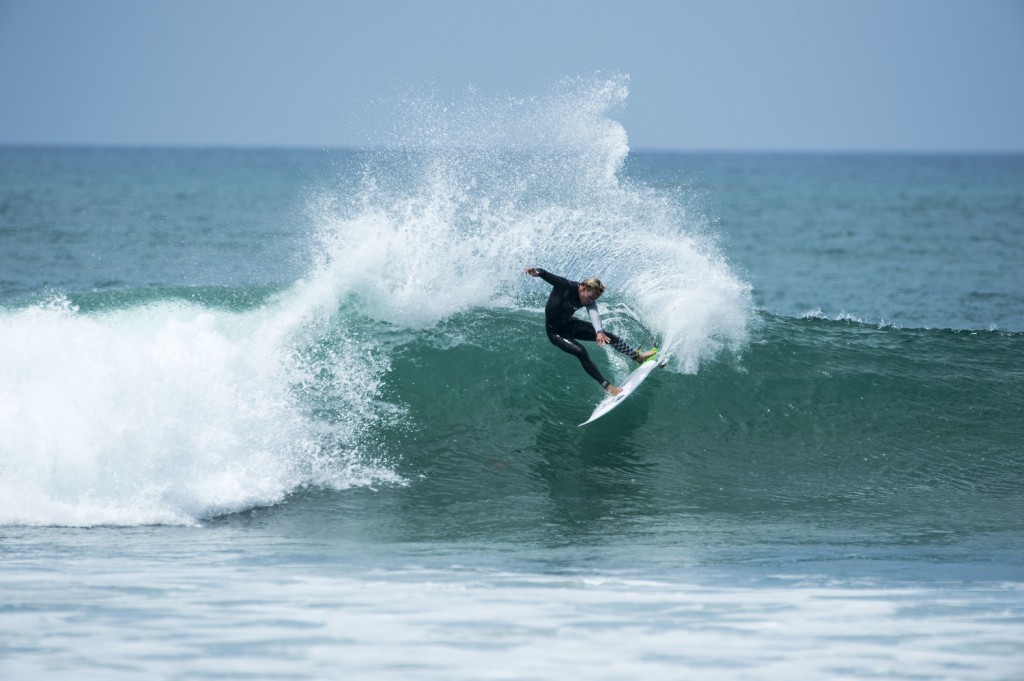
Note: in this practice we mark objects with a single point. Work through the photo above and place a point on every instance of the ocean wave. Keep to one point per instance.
(169, 412)
(414, 350)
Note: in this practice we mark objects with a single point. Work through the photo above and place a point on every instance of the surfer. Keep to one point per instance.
(564, 330)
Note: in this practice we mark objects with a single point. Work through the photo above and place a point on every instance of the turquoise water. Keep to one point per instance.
(291, 414)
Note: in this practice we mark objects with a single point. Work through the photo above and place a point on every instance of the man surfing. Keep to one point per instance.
(564, 330)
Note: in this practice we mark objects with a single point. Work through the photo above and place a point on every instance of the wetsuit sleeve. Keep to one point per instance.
(554, 279)
(595, 318)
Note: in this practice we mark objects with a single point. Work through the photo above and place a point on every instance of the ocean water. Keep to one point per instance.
(291, 414)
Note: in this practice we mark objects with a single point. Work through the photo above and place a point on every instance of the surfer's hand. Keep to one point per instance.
(532, 271)
(603, 338)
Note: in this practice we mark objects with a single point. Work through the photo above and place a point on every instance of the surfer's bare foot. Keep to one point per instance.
(612, 390)
(642, 357)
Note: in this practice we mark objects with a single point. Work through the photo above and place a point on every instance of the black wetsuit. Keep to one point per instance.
(564, 329)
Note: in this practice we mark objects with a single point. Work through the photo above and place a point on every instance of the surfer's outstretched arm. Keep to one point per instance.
(553, 279)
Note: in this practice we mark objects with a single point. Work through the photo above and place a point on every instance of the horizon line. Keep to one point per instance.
(218, 146)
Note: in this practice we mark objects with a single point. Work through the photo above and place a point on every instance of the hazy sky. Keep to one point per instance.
(722, 75)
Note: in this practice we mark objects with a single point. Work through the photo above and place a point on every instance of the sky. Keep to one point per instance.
(711, 75)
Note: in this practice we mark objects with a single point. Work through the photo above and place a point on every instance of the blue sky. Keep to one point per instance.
(789, 75)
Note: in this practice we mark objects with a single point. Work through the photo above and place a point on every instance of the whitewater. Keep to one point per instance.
(292, 414)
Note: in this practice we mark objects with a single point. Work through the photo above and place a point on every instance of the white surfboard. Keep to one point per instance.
(635, 379)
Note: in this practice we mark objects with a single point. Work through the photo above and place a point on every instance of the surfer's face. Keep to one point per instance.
(587, 295)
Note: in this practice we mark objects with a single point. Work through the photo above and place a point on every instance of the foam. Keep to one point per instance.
(166, 413)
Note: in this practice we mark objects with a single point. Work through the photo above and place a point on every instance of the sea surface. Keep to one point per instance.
(291, 414)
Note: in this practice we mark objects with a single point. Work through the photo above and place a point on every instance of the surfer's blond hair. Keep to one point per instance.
(594, 284)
